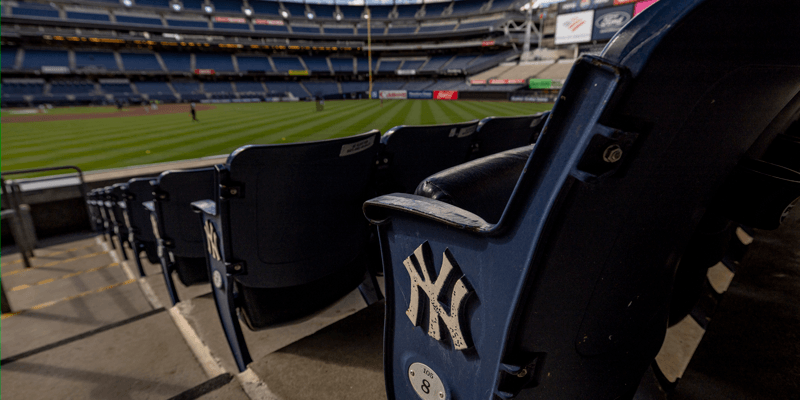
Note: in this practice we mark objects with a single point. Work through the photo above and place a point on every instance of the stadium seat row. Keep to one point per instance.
(100, 61)
(307, 243)
(255, 8)
(652, 157)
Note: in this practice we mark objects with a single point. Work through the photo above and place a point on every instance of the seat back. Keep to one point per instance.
(496, 134)
(567, 296)
(118, 207)
(291, 214)
(139, 191)
(411, 153)
(180, 229)
(173, 192)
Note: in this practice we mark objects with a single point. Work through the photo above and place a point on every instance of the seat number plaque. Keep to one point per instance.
(426, 382)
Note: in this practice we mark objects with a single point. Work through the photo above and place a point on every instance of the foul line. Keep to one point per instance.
(67, 276)
(50, 303)
(50, 264)
(57, 253)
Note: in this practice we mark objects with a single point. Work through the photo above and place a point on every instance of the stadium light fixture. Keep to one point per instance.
(310, 15)
(365, 16)
(176, 6)
(338, 16)
(127, 3)
(284, 14)
(248, 11)
(208, 9)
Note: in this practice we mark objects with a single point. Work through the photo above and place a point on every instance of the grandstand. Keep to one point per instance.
(191, 52)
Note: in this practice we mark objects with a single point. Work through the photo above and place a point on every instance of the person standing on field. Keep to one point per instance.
(194, 114)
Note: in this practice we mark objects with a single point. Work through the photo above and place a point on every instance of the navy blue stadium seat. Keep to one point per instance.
(217, 62)
(177, 228)
(102, 223)
(461, 61)
(231, 26)
(36, 59)
(185, 88)
(362, 65)
(176, 61)
(22, 88)
(227, 5)
(8, 54)
(316, 64)
(187, 24)
(117, 88)
(375, 31)
(352, 12)
(435, 10)
(271, 28)
(478, 25)
(311, 30)
(153, 3)
(436, 28)
(126, 19)
(83, 16)
(96, 60)
(467, 7)
(322, 88)
(141, 236)
(266, 7)
(411, 153)
(249, 87)
(115, 205)
(287, 87)
(323, 11)
(344, 65)
(140, 62)
(284, 232)
(153, 88)
(568, 295)
(401, 30)
(501, 5)
(496, 134)
(285, 64)
(388, 66)
(380, 12)
(435, 63)
(295, 9)
(338, 30)
(413, 65)
(78, 87)
(34, 10)
(407, 11)
(258, 64)
(355, 87)
(193, 4)
(217, 87)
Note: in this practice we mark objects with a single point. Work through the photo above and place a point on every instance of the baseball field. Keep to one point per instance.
(103, 137)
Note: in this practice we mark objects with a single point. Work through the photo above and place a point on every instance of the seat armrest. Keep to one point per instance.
(205, 206)
(378, 211)
(149, 205)
(481, 186)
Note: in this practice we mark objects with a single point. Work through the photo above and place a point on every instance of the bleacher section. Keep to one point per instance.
(153, 88)
(36, 59)
(65, 87)
(140, 62)
(252, 63)
(316, 64)
(322, 88)
(342, 65)
(287, 87)
(95, 60)
(250, 87)
(217, 62)
(176, 62)
(286, 64)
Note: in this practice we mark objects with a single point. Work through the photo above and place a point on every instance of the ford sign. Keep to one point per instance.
(612, 21)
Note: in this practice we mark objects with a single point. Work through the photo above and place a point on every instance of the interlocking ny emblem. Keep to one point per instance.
(212, 240)
(435, 289)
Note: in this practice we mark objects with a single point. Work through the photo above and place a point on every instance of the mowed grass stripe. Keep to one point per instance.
(117, 142)
(155, 126)
(169, 141)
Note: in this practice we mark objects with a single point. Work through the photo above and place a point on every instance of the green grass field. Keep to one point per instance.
(94, 144)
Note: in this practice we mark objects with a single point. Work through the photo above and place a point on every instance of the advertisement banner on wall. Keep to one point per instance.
(608, 21)
(621, 2)
(642, 5)
(582, 5)
(204, 72)
(420, 94)
(275, 22)
(393, 94)
(506, 81)
(574, 27)
(230, 20)
(445, 94)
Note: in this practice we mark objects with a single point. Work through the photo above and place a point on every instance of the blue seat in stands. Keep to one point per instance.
(658, 142)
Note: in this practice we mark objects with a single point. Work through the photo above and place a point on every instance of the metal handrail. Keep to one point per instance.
(14, 196)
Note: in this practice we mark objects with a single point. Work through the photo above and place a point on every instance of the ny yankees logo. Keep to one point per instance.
(434, 288)
(212, 240)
